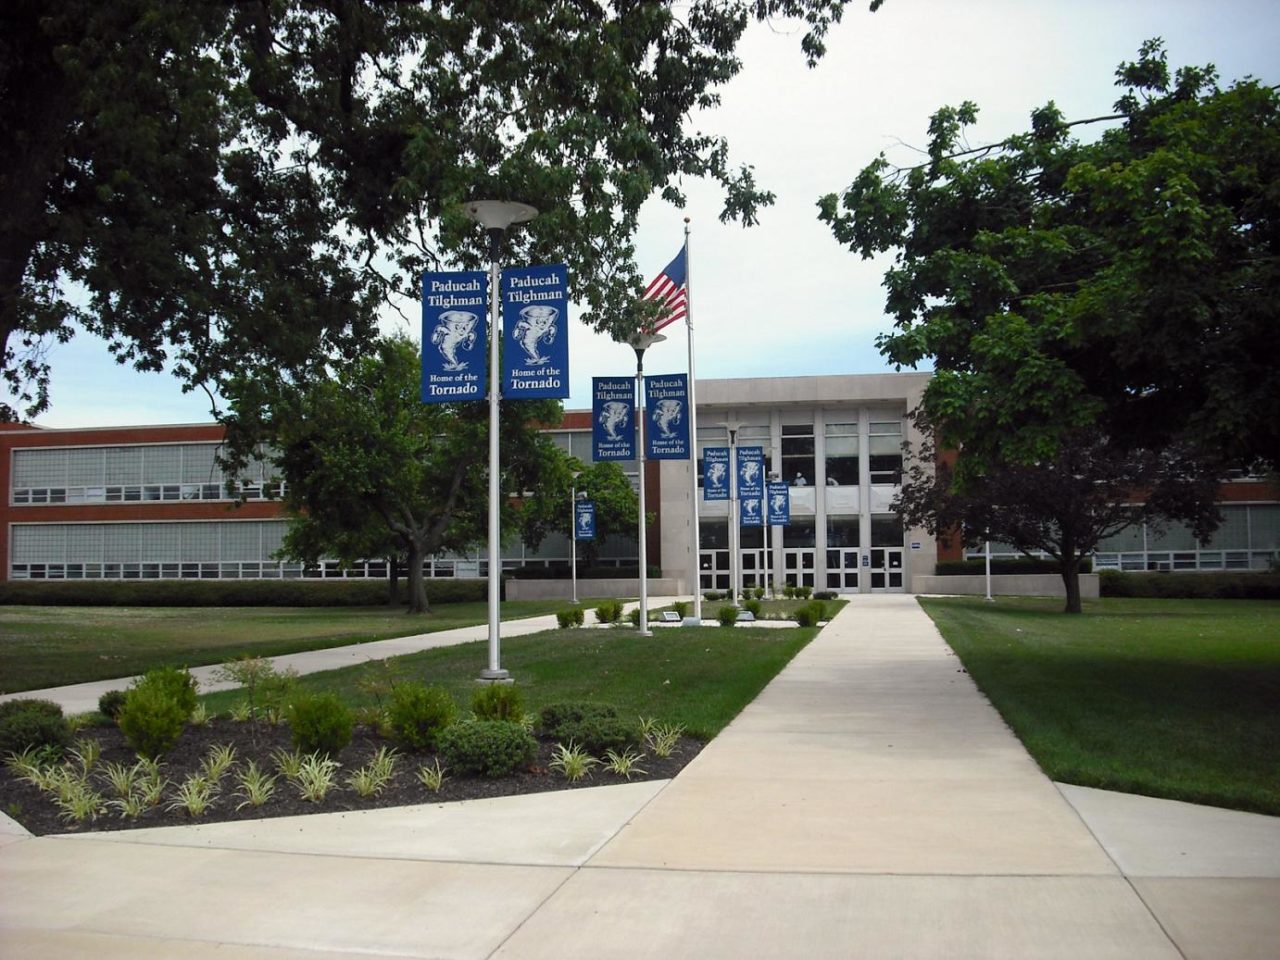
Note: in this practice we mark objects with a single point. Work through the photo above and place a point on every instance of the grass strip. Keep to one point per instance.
(1166, 698)
(51, 646)
(698, 677)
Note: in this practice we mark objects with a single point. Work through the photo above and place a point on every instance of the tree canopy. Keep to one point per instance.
(366, 464)
(1128, 284)
(234, 187)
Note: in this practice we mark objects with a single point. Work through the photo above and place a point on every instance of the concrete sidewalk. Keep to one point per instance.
(869, 803)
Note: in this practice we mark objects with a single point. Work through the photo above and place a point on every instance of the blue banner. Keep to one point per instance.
(751, 515)
(715, 473)
(613, 434)
(454, 355)
(667, 407)
(751, 473)
(779, 503)
(584, 520)
(535, 332)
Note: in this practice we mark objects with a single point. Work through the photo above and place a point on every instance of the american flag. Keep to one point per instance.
(669, 289)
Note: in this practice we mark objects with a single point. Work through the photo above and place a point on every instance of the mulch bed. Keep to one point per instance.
(39, 814)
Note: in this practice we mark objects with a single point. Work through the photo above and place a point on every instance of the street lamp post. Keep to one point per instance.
(733, 426)
(497, 217)
(640, 342)
(573, 529)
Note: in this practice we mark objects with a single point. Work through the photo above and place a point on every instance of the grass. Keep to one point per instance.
(51, 646)
(698, 677)
(1166, 698)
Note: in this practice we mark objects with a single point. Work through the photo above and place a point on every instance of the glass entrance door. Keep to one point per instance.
(886, 570)
(842, 570)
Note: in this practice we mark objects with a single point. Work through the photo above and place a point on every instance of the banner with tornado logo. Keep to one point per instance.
(613, 432)
(454, 342)
(535, 332)
(666, 435)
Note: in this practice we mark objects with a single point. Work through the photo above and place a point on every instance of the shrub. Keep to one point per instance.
(1001, 565)
(712, 595)
(571, 617)
(226, 593)
(319, 723)
(1203, 586)
(804, 593)
(825, 595)
(109, 704)
(757, 593)
(610, 611)
(598, 735)
(819, 611)
(554, 716)
(681, 607)
(727, 616)
(498, 701)
(789, 591)
(177, 685)
(153, 717)
(806, 616)
(487, 747)
(32, 724)
(418, 714)
(754, 606)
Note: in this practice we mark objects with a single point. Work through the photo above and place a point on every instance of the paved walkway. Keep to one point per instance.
(869, 803)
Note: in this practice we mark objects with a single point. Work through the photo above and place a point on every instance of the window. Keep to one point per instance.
(842, 454)
(886, 531)
(797, 454)
(885, 452)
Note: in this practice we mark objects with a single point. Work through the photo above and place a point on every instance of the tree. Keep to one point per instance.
(604, 483)
(364, 459)
(1063, 507)
(234, 187)
(1129, 284)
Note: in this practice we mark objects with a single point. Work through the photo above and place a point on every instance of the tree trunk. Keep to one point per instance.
(393, 580)
(417, 585)
(1071, 580)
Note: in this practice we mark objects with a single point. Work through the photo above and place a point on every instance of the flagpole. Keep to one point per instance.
(693, 434)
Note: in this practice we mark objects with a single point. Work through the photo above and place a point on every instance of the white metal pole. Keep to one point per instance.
(733, 516)
(495, 671)
(644, 559)
(573, 532)
(693, 435)
(988, 558)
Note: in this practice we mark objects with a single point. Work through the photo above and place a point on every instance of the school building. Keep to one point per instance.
(151, 502)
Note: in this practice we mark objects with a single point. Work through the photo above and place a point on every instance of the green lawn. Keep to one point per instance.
(1167, 698)
(51, 646)
(698, 677)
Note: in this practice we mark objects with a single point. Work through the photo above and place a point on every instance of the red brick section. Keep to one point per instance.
(15, 436)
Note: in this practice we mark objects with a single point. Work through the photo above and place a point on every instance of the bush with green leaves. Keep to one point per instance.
(807, 616)
(570, 617)
(498, 701)
(109, 704)
(727, 615)
(712, 595)
(804, 593)
(681, 607)
(757, 593)
(754, 606)
(178, 685)
(31, 725)
(417, 714)
(609, 611)
(554, 716)
(487, 747)
(825, 595)
(153, 716)
(789, 591)
(319, 723)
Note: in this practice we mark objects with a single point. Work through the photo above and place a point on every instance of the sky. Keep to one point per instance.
(783, 298)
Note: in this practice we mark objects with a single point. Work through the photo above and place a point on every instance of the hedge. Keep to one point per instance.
(1191, 586)
(1005, 565)
(584, 573)
(226, 593)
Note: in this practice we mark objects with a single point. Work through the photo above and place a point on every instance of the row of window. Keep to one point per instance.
(166, 463)
(137, 493)
(840, 451)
